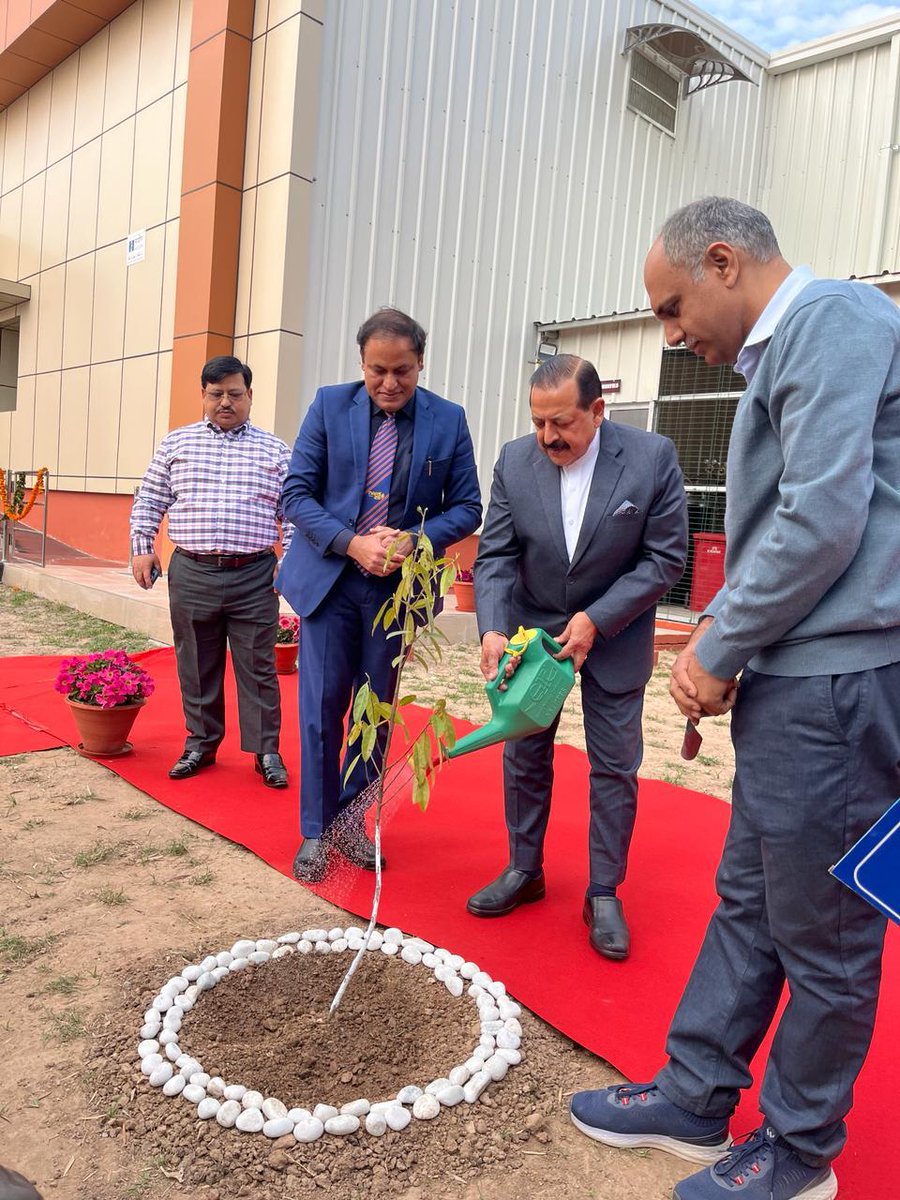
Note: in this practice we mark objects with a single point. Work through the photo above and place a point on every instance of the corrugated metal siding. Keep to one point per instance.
(476, 166)
(629, 351)
(831, 182)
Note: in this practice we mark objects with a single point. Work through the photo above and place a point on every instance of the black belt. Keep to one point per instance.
(228, 561)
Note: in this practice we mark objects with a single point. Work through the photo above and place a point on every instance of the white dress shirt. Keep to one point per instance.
(574, 486)
(758, 338)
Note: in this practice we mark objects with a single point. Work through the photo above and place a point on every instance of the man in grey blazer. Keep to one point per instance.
(586, 529)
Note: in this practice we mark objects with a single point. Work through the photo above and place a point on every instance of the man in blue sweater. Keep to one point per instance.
(810, 618)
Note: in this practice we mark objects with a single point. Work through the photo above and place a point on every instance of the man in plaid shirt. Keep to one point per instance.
(220, 481)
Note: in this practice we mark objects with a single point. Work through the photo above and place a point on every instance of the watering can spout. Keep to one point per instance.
(534, 693)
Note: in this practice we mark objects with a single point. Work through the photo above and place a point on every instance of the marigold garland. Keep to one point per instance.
(19, 514)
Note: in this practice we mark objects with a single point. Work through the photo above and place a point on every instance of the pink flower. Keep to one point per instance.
(105, 679)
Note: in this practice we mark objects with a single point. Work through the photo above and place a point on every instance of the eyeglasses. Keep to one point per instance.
(221, 395)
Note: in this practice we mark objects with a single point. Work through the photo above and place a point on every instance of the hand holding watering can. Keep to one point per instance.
(573, 643)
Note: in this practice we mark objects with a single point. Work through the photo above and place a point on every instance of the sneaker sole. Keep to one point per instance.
(826, 1190)
(704, 1155)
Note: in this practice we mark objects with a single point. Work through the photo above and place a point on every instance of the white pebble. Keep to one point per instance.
(304, 946)
(411, 955)
(283, 951)
(426, 1108)
(468, 970)
(355, 1108)
(161, 1075)
(334, 934)
(272, 1107)
(409, 1094)
(188, 1067)
(460, 1075)
(451, 1096)
(324, 1112)
(206, 981)
(252, 1100)
(474, 990)
(496, 1067)
(342, 1125)
(251, 1120)
(354, 931)
(172, 1019)
(384, 1105)
(473, 1065)
(389, 948)
(208, 1108)
(507, 1040)
(224, 958)
(491, 1027)
(309, 1130)
(375, 940)
(209, 963)
(436, 1085)
(185, 1003)
(455, 961)
(315, 935)
(239, 964)
(299, 1114)
(508, 1008)
(200, 1079)
(397, 1117)
(162, 1003)
(497, 989)
(454, 985)
(339, 944)
(242, 948)
(355, 944)
(476, 1086)
(419, 944)
(174, 1086)
(376, 1123)
(487, 1041)
(514, 1026)
(150, 1032)
(150, 1062)
(393, 935)
(234, 1091)
(429, 960)
(167, 1036)
(258, 957)
(513, 1057)
(193, 1093)
(277, 1127)
(489, 1012)
(483, 980)
(442, 972)
(289, 939)
(228, 1113)
(150, 1046)
(482, 1052)
(173, 1050)
(153, 1017)
(192, 973)
(322, 947)
(216, 1087)
(267, 945)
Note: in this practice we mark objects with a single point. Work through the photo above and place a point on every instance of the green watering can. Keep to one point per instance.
(533, 697)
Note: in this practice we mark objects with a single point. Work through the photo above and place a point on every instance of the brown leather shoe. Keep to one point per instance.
(510, 889)
(191, 762)
(605, 918)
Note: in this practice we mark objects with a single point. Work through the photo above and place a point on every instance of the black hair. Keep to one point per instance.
(392, 323)
(221, 367)
(556, 370)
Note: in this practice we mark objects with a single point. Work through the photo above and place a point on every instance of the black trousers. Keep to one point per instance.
(215, 608)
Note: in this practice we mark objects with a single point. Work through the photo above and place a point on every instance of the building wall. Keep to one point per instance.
(477, 166)
(627, 350)
(279, 169)
(90, 153)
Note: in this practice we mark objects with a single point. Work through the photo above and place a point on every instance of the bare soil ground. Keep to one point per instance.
(104, 894)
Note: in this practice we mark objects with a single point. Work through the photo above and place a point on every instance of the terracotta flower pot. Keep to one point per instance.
(465, 596)
(286, 657)
(104, 731)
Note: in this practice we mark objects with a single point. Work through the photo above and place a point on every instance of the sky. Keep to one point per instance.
(775, 26)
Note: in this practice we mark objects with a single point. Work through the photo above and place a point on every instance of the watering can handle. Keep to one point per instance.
(520, 643)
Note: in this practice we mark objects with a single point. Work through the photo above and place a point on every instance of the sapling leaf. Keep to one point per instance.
(369, 737)
(361, 700)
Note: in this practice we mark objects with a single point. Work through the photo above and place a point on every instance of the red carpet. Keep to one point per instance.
(437, 859)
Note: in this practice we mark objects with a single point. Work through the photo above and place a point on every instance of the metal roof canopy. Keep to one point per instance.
(699, 62)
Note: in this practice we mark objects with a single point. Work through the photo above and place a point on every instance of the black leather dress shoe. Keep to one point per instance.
(191, 762)
(355, 844)
(508, 891)
(311, 861)
(272, 769)
(609, 932)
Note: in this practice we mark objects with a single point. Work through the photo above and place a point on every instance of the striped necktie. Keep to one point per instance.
(377, 495)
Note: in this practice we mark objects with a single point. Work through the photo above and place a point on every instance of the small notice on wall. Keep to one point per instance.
(134, 247)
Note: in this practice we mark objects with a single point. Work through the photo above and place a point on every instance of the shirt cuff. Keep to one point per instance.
(141, 545)
(340, 542)
(716, 656)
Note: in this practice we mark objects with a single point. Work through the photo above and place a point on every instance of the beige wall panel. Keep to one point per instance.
(296, 254)
(62, 109)
(163, 392)
(116, 164)
(280, 10)
(37, 132)
(183, 46)
(136, 424)
(120, 100)
(28, 329)
(240, 347)
(170, 278)
(100, 483)
(263, 351)
(144, 297)
(288, 402)
(73, 421)
(79, 314)
(306, 100)
(108, 335)
(50, 289)
(150, 182)
(267, 287)
(276, 123)
(245, 263)
(14, 145)
(32, 226)
(56, 213)
(103, 420)
(46, 421)
(85, 192)
(21, 442)
(10, 228)
(6, 424)
(176, 153)
(260, 18)
(91, 86)
(255, 108)
(159, 38)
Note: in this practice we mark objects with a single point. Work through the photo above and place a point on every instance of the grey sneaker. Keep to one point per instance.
(639, 1115)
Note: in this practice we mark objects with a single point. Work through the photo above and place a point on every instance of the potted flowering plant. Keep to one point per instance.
(105, 693)
(464, 591)
(287, 636)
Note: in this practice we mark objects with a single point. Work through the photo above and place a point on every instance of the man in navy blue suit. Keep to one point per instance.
(368, 458)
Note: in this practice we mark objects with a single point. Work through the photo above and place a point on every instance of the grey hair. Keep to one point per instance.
(688, 232)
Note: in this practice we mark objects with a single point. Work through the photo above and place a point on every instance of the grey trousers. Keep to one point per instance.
(612, 730)
(213, 608)
(818, 761)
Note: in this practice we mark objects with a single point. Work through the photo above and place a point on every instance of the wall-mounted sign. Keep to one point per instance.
(611, 386)
(134, 247)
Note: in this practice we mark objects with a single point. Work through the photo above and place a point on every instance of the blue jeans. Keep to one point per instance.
(818, 762)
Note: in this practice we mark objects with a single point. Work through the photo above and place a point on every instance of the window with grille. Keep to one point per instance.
(652, 91)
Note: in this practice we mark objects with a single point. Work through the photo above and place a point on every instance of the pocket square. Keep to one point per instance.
(627, 509)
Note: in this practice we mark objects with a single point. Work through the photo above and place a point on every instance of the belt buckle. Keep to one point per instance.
(222, 559)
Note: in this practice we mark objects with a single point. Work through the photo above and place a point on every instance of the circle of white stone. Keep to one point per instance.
(497, 1050)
